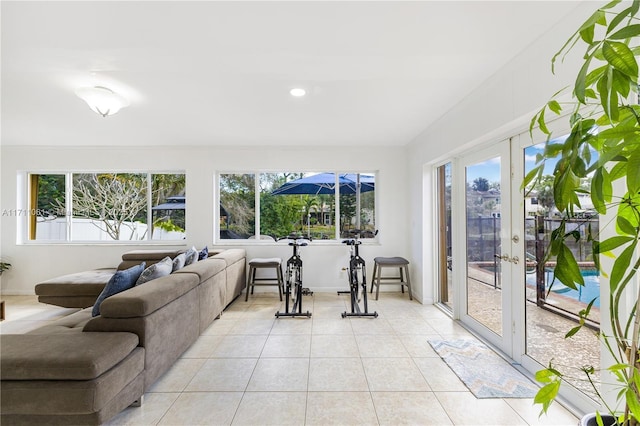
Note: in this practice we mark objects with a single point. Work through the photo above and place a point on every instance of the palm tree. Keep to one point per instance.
(309, 202)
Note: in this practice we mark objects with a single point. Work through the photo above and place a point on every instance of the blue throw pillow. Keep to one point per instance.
(204, 253)
(120, 281)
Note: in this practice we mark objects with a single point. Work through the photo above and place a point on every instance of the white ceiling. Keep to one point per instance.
(219, 73)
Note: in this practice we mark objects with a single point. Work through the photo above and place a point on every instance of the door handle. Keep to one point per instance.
(506, 258)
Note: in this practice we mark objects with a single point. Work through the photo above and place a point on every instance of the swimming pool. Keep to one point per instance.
(584, 294)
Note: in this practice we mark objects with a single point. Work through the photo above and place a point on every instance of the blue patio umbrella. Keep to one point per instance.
(325, 183)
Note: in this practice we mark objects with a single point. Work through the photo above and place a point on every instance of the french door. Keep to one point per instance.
(491, 246)
(503, 291)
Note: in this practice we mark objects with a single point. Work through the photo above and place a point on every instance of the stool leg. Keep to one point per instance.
(373, 278)
(378, 281)
(401, 279)
(253, 280)
(246, 297)
(408, 282)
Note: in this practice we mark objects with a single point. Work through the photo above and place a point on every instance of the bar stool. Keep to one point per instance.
(260, 263)
(391, 262)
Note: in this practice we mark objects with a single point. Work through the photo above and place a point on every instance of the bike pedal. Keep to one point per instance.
(306, 292)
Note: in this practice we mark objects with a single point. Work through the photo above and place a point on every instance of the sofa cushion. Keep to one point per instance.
(121, 281)
(87, 283)
(74, 402)
(205, 269)
(73, 323)
(178, 262)
(157, 270)
(73, 356)
(145, 299)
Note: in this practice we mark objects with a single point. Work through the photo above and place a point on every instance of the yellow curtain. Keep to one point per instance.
(33, 205)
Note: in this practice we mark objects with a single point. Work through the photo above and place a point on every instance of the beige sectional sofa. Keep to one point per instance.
(84, 370)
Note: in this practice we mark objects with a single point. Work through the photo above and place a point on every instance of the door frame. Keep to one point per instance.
(505, 341)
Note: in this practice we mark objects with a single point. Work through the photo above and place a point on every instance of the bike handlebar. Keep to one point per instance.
(356, 235)
(296, 240)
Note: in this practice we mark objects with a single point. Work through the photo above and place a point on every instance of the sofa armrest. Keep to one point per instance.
(231, 256)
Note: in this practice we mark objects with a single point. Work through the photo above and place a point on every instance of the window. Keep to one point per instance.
(296, 202)
(106, 206)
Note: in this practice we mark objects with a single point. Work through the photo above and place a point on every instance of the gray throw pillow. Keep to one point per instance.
(120, 281)
(191, 255)
(178, 261)
(157, 270)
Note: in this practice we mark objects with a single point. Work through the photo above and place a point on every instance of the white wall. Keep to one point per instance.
(501, 107)
(33, 263)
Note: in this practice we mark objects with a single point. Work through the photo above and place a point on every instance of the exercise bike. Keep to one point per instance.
(357, 279)
(293, 280)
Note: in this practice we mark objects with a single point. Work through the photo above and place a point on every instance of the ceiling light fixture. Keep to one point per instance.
(102, 100)
(297, 92)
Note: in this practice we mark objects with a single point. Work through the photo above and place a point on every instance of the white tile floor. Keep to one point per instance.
(250, 368)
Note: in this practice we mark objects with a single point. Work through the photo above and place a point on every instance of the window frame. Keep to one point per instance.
(24, 215)
(256, 241)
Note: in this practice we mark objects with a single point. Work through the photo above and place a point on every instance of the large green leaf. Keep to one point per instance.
(633, 171)
(555, 106)
(587, 34)
(597, 193)
(612, 243)
(535, 173)
(618, 132)
(564, 186)
(580, 85)
(617, 19)
(621, 266)
(547, 394)
(567, 269)
(629, 214)
(618, 171)
(626, 32)
(620, 57)
(621, 83)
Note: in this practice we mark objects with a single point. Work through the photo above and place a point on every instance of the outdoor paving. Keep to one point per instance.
(545, 331)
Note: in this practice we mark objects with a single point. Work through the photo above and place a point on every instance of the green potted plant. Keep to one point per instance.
(4, 266)
(604, 144)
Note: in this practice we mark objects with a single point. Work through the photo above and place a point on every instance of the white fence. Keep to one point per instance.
(90, 230)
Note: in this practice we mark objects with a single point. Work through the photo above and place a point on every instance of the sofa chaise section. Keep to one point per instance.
(159, 319)
(78, 290)
(72, 378)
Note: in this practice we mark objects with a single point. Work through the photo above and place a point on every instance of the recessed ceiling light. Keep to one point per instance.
(297, 92)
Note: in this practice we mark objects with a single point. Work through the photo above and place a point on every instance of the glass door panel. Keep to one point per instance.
(484, 271)
(551, 309)
(487, 252)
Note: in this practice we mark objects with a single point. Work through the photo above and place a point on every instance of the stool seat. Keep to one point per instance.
(274, 263)
(259, 262)
(391, 262)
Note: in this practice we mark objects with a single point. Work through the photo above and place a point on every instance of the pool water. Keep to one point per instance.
(584, 294)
